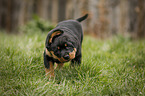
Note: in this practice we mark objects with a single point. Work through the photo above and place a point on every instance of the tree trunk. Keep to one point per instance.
(140, 28)
(54, 13)
(61, 10)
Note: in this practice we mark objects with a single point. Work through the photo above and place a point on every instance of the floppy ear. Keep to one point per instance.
(55, 33)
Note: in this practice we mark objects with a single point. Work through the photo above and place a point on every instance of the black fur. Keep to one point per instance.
(82, 18)
(72, 35)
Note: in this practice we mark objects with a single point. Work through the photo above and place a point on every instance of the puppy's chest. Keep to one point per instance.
(57, 61)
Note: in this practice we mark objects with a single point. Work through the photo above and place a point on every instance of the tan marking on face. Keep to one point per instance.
(62, 60)
(47, 52)
(60, 65)
(53, 55)
(72, 54)
(54, 34)
(50, 71)
(58, 48)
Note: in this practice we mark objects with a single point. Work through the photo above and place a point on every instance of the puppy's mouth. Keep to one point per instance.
(70, 56)
(66, 58)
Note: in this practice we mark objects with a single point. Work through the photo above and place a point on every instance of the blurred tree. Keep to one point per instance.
(106, 18)
(140, 19)
(61, 10)
(137, 18)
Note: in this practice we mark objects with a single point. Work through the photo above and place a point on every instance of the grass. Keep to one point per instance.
(111, 67)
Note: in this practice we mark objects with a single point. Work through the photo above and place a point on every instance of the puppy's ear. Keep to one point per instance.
(54, 34)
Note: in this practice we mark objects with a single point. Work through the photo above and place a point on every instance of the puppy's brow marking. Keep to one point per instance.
(65, 45)
(58, 47)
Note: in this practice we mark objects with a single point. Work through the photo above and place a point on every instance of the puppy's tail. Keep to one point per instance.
(82, 18)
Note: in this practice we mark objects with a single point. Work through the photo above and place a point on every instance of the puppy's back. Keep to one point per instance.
(74, 26)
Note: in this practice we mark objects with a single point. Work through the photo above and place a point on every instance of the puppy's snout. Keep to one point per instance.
(66, 57)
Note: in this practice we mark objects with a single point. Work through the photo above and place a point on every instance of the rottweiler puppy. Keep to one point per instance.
(63, 44)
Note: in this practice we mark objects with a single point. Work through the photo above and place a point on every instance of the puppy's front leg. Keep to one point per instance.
(60, 65)
(50, 71)
(49, 66)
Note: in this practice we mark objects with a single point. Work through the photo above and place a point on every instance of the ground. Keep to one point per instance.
(109, 67)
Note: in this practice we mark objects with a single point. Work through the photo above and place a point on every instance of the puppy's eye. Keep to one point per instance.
(58, 48)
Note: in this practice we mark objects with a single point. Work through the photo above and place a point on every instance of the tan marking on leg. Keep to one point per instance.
(50, 71)
(60, 65)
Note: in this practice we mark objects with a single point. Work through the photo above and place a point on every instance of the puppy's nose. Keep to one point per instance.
(66, 57)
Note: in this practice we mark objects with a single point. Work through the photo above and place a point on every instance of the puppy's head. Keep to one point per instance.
(61, 47)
